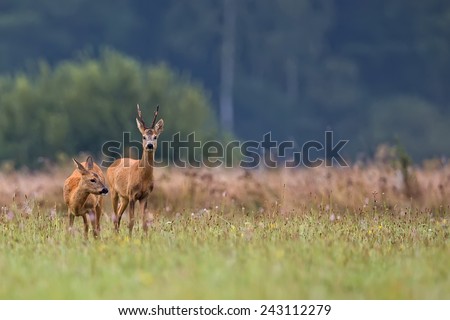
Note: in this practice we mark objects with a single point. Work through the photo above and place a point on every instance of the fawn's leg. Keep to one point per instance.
(71, 220)
(95, 219)
(98, 215)
(86, 226)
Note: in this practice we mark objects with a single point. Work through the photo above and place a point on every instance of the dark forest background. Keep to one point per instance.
(375, 71)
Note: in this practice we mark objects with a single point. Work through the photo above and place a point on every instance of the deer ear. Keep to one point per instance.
(80, 167)
(90, 163)
(140, 126)
(159, 126)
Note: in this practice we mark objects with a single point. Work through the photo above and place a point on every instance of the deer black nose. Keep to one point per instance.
(104, 191)
(150, 146)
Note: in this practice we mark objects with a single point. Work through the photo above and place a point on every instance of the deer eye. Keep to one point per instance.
(92, 180)
(144, 137)
(155, 137)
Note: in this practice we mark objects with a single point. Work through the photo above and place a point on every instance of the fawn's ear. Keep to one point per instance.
(90, 163)
(140, 125)
(80, 167)
(159, 126)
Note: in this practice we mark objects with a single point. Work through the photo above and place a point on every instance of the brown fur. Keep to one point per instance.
(82, 196)
(131, 180)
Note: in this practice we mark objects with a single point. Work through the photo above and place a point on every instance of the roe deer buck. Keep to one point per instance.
(82, 192)
(131, 180)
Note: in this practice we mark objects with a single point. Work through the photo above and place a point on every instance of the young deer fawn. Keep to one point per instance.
(131, 180)
(82, 192)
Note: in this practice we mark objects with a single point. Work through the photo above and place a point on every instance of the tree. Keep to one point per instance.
(50, 30)
(79, 105)
(227, 65)
(413, 122)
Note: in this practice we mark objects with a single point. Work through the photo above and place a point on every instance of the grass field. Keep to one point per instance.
(201, 248)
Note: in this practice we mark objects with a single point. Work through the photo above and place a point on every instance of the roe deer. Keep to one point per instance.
(131, 180)
(82, 192)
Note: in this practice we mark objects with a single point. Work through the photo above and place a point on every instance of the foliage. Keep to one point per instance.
(415, 123)
(341, 65)
(322, 233)
(232, 255)
(79, 105)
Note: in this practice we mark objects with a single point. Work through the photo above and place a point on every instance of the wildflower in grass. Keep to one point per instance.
(27, 208)
(279, 254)
(53, 213)
(201, 213)
(145, 278)
(149, 223)
(125, 240)
(10, 215)
(366, 202)
(247, 231)
(332, 217)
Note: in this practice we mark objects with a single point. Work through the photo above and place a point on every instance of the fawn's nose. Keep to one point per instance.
(104, 191)
(150, 146)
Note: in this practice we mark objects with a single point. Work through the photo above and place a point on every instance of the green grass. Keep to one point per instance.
(225, 256)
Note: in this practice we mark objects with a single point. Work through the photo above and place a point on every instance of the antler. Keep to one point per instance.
(140, 115)
(154, 118)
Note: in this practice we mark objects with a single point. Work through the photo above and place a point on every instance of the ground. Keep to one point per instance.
(355, 233)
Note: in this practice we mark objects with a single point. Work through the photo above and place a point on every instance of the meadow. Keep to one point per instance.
(364, 232)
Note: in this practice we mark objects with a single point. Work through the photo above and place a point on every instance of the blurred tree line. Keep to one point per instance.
(373, 71)
(79, 105)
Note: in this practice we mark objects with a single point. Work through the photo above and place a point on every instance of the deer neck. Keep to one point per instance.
(146, 164)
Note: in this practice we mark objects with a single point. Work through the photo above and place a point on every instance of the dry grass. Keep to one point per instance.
(320, 233)
(356, 189)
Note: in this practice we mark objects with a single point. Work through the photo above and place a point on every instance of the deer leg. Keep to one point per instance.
(123, 206)
(86, 226)
(145, 216)
(115, 203)
(91, 218)
(71, 220)
(96, 222)
(131, 213)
